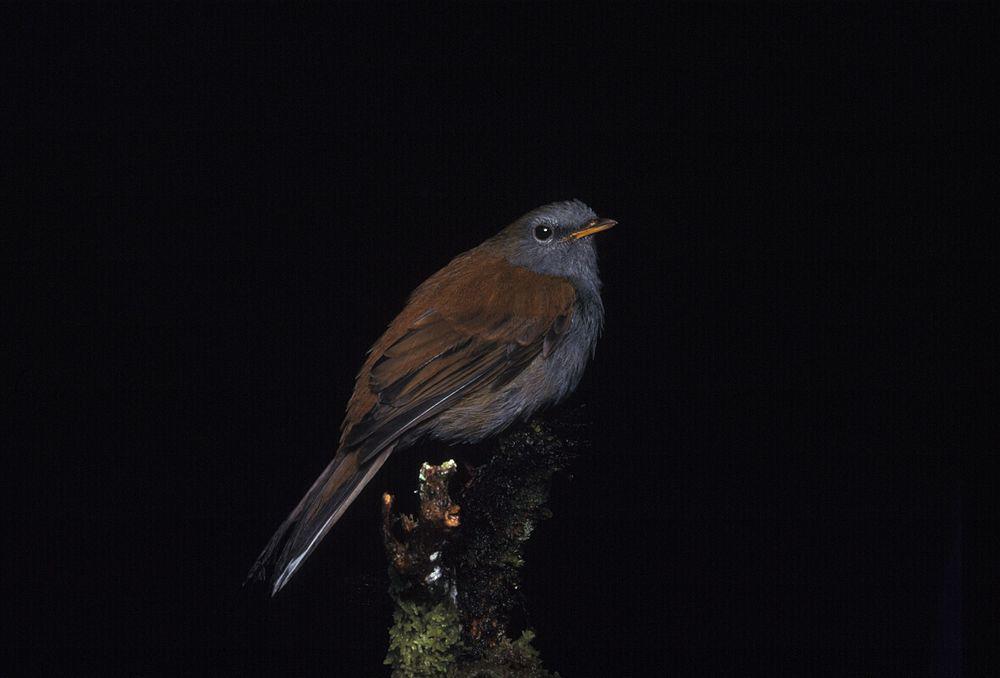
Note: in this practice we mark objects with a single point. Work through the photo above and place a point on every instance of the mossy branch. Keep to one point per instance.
(455, 569)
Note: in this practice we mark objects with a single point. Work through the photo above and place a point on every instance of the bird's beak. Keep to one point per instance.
(590, 228)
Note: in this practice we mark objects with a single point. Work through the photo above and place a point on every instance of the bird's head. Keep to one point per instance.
(555, 240)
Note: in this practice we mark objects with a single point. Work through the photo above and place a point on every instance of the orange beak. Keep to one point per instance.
(590, 228)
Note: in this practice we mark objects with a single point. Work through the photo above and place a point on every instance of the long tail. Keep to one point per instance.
(319, 509)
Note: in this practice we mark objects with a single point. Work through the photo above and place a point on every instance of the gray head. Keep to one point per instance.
(555, 239)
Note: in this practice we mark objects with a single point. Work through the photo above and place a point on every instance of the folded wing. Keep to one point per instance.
(476, 324)
(462, 334)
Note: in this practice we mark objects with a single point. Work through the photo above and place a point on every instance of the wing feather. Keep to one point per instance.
(478, 323)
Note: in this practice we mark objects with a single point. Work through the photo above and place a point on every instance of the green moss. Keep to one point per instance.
(500, 510)
(423, 638)
(517, 659)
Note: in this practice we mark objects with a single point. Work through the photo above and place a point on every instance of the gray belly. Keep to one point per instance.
(546, 380)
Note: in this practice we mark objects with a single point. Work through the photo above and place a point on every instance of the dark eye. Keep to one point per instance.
(543, 232)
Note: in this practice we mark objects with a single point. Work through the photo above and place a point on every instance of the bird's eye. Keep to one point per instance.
(543, 232)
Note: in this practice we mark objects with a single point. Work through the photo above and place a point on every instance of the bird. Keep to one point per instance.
(505, 328)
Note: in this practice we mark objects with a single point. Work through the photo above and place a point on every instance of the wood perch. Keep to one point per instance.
(455, 569)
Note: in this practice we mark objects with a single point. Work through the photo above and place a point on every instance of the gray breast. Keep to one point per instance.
(564, 368)
(548, 379)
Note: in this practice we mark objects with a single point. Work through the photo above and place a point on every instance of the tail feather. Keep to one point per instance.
(321, 507)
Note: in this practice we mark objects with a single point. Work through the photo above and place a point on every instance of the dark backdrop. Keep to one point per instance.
(230, 203)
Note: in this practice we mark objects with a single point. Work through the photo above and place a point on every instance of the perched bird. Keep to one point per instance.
(503, 329)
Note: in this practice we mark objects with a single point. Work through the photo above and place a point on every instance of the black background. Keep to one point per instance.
(228, 204)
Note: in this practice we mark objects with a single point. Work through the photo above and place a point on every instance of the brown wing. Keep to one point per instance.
(477, 323)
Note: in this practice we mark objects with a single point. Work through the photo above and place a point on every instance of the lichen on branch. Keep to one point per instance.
(455, 569)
